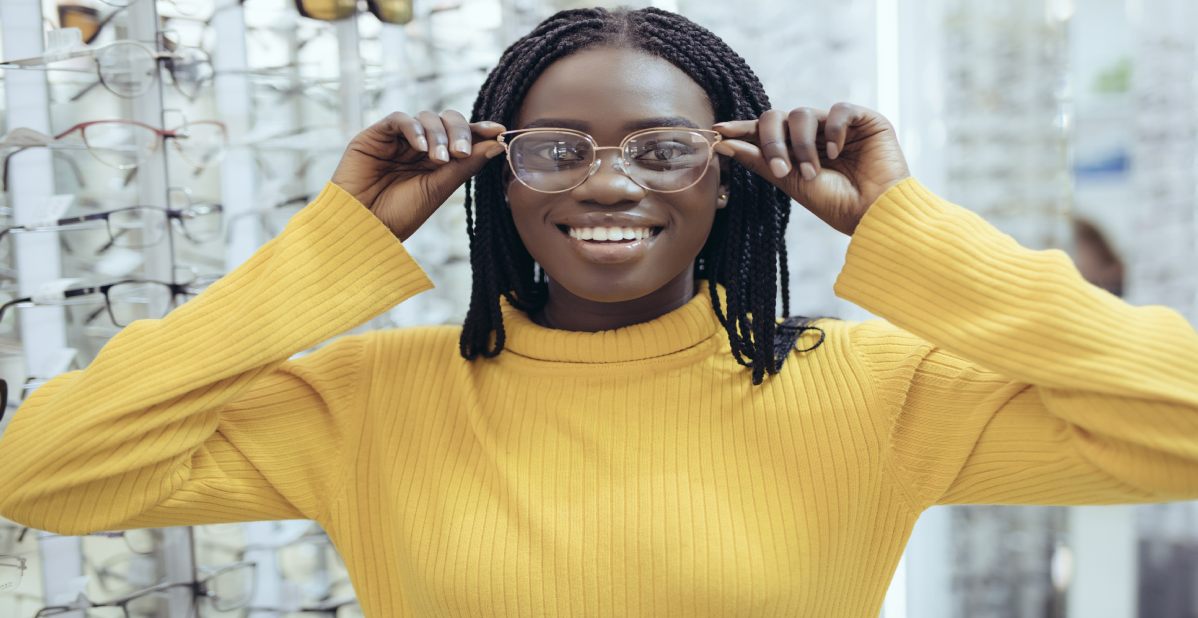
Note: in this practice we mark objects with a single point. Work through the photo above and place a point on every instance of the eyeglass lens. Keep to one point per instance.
(660, 160)
(138, 300)
(121, 145)
(10, 573)
(127, 69)
(137, 228)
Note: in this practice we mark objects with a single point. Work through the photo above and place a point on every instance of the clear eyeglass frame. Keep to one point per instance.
(507, 138)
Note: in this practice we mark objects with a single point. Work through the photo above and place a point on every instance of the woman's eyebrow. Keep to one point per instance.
(644, 123)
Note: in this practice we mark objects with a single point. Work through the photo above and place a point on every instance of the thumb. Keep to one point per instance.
(456, 172)
(747, 155)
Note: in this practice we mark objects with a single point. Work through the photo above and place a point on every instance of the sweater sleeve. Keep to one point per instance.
(201, 416)
(1003, 377)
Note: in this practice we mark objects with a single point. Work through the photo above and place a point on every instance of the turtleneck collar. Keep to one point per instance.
(678, 330)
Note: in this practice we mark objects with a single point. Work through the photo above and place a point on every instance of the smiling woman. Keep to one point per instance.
(613, 431)
(609, 75)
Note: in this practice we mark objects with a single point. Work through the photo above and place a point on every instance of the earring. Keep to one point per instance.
(724, 197)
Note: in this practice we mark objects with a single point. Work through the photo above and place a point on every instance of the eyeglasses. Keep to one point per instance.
(126, 301)
(135, 227)
(228, 588)
(665, 160)
(130, 68)
(126, 144)
(387, 11)
(335, 608)
(84, 18)
(139, 541)
(12, 570)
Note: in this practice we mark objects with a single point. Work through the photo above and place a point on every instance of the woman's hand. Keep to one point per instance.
(403, 167)
(835, 162)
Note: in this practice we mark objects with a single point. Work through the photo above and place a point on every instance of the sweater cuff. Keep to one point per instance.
(940, 271)
(336, 207)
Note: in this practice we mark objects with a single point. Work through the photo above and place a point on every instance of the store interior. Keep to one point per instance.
(150, 146)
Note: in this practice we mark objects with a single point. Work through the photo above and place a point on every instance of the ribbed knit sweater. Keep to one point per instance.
(629, 472)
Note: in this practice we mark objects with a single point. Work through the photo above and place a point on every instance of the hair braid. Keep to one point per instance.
(745, 252)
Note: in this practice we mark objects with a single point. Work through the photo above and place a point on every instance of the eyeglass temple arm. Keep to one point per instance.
(86, 89)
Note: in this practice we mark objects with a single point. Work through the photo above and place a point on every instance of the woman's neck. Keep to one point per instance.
(567, 311)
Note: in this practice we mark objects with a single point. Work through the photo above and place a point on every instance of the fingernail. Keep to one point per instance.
(442, 153)
(807, 170)
(833, 150)
(779, 167)
(462, 146)
(422, 143)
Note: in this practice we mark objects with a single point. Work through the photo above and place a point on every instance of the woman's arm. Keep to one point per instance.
(1004, 377)
(200, 417)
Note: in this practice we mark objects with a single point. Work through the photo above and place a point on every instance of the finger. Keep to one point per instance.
(836, 127)
(401, 124)
(738, 129)
(746, 154)
(447, 178)
(803, 124)
(458, 131)
(486, 129)
(438, 139)
(771, 138)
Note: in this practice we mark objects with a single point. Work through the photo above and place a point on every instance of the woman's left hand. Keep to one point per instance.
(834, 162)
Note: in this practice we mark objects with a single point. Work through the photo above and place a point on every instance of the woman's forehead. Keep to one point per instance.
(608, 89)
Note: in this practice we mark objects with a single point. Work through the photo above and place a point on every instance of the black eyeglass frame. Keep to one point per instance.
(176, 289)
(176, 214)
(199, 588)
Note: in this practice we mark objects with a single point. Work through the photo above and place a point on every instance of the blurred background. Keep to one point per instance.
(163, 141)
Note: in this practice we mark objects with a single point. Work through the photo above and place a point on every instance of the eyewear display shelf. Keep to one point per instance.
(270, 158)
(43, 330)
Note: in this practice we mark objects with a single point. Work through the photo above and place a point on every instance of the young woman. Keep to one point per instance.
(621, 427)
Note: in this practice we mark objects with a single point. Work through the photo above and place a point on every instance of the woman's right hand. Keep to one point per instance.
(403, 168)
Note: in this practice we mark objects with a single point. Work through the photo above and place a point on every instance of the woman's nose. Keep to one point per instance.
(609, 184)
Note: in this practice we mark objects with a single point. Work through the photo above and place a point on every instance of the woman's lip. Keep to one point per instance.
(608, 252)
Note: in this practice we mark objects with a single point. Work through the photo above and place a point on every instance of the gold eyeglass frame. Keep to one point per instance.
(507, 137)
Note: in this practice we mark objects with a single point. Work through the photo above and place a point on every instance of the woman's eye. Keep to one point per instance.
(560, 153)
(664, 151)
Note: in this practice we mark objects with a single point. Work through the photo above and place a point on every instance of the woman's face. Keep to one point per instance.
(609, 93)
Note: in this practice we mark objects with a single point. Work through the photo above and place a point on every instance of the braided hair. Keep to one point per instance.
(746, 248)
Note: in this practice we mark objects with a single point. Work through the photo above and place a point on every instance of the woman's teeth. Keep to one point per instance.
(610, 233)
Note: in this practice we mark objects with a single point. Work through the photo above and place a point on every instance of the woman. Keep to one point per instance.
(588, 443)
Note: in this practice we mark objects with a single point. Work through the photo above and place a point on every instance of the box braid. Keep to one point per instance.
(746, 248)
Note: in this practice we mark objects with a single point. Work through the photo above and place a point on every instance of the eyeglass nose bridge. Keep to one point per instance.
(618, 165)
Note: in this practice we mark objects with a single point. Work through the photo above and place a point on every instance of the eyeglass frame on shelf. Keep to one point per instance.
(73, 223)
(160, 57)
(179, 132)
(20, 563)
(199, 588)
(60, 298)
(621, 162)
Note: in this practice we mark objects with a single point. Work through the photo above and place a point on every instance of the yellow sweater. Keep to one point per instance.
(632, 472)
